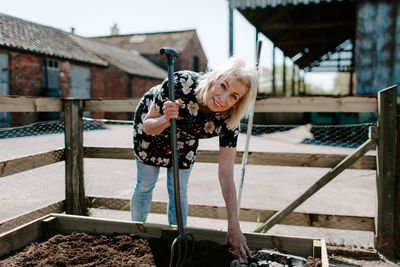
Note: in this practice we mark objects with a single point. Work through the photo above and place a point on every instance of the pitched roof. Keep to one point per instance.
(128, 60)
(150, 43)
(33, 37)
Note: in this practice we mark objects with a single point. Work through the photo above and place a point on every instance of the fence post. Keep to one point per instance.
(397, 216)
(386, 167)
(75, 202)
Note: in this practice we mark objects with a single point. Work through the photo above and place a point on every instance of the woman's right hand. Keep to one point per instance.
(170, 110)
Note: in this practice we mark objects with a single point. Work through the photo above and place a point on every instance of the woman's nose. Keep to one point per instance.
(223, 96)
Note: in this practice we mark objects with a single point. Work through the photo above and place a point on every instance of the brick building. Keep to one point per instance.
(37, 60)
(186, 42)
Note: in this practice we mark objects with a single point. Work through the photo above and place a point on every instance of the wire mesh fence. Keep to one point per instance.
(265, 187)
(348, 135)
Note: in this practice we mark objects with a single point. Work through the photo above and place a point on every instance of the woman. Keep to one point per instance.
(206, 105)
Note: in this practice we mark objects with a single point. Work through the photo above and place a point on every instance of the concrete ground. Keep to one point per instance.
(266, 187)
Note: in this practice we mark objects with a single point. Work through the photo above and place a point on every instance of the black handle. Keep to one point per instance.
(171, 53)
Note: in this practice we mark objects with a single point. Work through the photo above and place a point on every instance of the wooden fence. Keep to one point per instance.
(383, 135)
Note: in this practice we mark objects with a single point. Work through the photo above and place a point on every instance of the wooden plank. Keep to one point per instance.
(74, 181)
(324, 253)
(317, 248)
(66, 224)
(111, 105)
(272, 104)
(255, 158)
(17, 165)
(30, 104)
(108, 152)
(345, 163)
(250, 215)
(316, 104)
(20, 237)
(57, 207)
(397, 215)
(49, 228)
(70, 223)
(386, 164)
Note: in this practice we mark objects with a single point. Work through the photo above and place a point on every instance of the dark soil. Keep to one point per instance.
(82, 249)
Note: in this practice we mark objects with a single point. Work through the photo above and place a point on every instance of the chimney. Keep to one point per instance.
(114, 30)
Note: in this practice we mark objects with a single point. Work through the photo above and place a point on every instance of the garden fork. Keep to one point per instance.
(184, 242)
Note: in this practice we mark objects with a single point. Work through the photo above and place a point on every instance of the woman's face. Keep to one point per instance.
(224, 94)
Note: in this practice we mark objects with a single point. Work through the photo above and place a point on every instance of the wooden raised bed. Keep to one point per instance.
(52, 224)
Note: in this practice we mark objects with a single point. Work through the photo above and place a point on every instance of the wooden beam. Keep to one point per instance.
(397, 214)
(110, 105)
(30, 104)
(74, 181)
(108, 152)
(386, 170)
(316, 104)
(9, 224)
(250, 215)
(254, 158)
(13, 166)
(300, 26)
(271, 104)
(344, 164)
(293, 245)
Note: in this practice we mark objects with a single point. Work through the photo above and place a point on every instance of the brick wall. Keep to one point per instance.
(26, 77)
(25, 72)
(186, 57)
(98, 87)
(65, 70)
(111, 82)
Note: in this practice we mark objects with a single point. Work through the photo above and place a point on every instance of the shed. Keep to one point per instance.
(311, 32)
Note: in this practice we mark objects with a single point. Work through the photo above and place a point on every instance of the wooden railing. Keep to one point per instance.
(384, 134)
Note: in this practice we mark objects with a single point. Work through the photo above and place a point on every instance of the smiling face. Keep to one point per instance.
(224, 94)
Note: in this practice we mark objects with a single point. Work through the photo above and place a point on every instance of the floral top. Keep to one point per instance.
(192, 124)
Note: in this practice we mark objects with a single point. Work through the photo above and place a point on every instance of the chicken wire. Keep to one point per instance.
(348, 135)
(39, 145)
(263, 185)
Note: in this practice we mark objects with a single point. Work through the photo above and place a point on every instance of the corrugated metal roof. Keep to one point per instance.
(242, 4)
(32, 37)
(128, 60)
(150, 43)
(304, 30)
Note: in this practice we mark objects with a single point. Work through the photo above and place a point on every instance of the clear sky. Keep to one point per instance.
(208, 17)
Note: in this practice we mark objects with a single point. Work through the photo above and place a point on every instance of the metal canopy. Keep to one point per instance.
(308, 31)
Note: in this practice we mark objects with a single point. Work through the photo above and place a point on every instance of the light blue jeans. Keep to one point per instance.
(147, 177)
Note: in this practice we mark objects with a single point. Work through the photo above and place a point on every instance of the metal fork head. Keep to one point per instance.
(183, 244)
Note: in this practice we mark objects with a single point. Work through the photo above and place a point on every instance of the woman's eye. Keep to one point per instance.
(234, 97)
(223, 85)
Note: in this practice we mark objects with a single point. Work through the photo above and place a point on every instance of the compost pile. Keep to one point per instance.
(82, 249)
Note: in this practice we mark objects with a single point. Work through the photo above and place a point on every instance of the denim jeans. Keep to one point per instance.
(147, 177)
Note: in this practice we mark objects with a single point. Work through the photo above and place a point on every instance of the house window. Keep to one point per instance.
(51, 74)
(195, 63)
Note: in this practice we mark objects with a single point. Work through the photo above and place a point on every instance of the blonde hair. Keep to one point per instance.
(233, 68)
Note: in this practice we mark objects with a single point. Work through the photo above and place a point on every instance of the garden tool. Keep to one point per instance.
(184, 242)
(249, 129)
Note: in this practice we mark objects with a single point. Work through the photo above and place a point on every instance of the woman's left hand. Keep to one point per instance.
(238, 243)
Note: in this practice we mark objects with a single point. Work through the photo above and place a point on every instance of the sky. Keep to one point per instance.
(209, 18)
